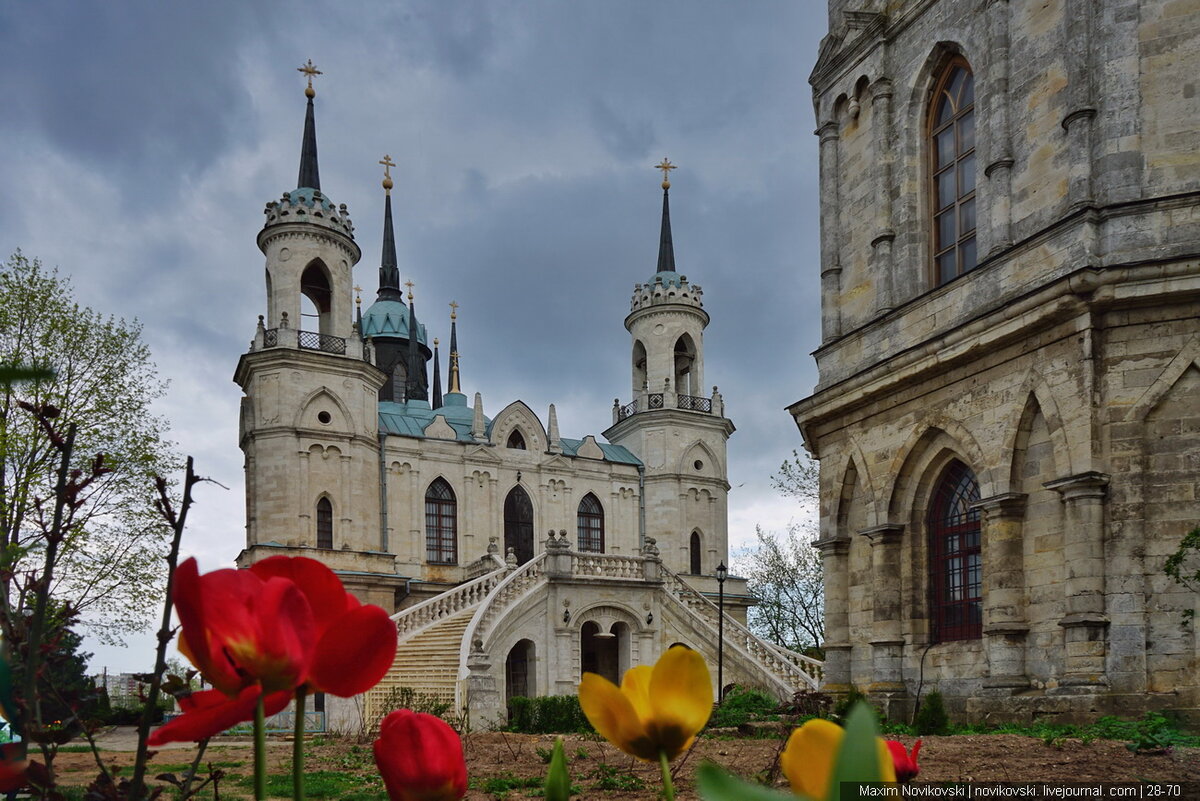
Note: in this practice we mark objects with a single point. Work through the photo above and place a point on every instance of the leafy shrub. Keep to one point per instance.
(931, 717)
(740, 705)
(547, 714)
(843, 707)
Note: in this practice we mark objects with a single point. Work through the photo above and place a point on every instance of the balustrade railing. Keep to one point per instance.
(694, 403)
(326, 343)
(787, 666)
(657, 400)
(628, 409)
(421, 616)
(481, 566)
(600, 565)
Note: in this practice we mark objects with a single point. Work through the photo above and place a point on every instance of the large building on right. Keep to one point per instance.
(1008, 410)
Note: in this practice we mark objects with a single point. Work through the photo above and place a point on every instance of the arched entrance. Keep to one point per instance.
(518, 524)
(599, 652)
(518, 671)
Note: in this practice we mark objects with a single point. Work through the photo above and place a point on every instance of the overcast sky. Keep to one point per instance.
(141, 141)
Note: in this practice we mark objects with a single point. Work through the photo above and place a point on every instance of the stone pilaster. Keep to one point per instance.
(1080, 119)
(1085, 626)
(885, 234)
(831, 271)
(835, 566)
(998, 166)
(1005, 624)
(887, 637)
(484, 699)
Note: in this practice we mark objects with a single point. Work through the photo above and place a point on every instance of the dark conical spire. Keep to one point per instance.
(437, 377)
(389, 273)
(454, 383)
(666, 249)
(415, 387)
(310, 175)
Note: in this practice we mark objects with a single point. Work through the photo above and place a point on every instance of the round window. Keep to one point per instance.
(699, 465)
(324, 417)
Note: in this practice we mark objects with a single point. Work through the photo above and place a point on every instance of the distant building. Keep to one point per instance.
(1008, 411)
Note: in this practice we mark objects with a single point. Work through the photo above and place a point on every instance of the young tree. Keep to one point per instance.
(784, 571)
(109, 567)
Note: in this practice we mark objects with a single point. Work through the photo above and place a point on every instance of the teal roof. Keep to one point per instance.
(668, 278)
(389, 318)
(311, 197)
(410, 418)
(612, 453)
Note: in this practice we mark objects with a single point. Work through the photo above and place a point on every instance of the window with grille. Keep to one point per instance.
(441, 524)
(952, 172)
(591, 524)
(324, 523)
(955, 565)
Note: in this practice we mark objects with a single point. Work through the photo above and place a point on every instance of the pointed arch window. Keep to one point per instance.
(695, 566)
(314, 286)
(952, 171)
(591, 524)
(518, 524)
(324, 523)
(955, 564)
(441, 524)
(516, 441)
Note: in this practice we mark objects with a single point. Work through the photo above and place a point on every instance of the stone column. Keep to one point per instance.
(485, 702)
(998, 167)
(1085, 625)
(1004, 620)
(881, 244)
(887, 638)
(1080, 118)
(831, 271)
(835, 566)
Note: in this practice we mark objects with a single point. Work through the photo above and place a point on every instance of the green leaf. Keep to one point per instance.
(9, 374)
(858, 759)
(717, 785)
(558, 781)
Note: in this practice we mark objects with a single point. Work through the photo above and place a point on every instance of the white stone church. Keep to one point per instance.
(514, 557)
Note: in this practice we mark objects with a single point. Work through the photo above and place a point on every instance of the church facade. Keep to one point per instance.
(1008, 410)
(513, 557)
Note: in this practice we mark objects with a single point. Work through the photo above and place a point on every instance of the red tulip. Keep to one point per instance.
(355, 644)
(420, 758)
(210, 712)
(906, 764)
(13, 766)
(240, 630)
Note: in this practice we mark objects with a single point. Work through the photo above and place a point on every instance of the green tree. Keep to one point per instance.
(109, 566)
(1183, 566)
(784, 571)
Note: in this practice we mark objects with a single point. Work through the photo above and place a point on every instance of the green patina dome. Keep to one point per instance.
(389, 318)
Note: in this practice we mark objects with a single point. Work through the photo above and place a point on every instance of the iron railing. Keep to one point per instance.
(654, 401)
(271, 337)
(326, 343)
(695, 403)
(690, 403)
(628, 409)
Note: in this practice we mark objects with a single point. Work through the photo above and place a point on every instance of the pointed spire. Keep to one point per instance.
(389, 273)
(454, 377)
(666, 249)
(415, 387)
(310, 175)
(478, 426)
(555, 445)
(437, 376)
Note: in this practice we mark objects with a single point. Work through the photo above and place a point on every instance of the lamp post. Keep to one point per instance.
(722, 573)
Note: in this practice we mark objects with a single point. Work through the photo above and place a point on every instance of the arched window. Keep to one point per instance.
(955, 567)
(591, 524)
(314, 286)
(516, 441)
(695, 566)
(685, 357)
(518, 524)
(639, 367)
(441, 524)
(952, 171)
(324, 523)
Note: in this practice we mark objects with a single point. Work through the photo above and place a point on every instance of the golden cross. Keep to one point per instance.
(309, 70)
(387, 166)
(410, 285)
(358, 294)
(666, 167)
(453, 310)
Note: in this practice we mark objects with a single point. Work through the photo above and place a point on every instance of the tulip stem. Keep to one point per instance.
(668, 787)
(298, 748)
(260, 749)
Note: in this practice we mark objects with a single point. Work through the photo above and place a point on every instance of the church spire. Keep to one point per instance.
(437, 376)
(309, 174)
(389, 273)
(454, 377)
(415, 387)
(666, 249)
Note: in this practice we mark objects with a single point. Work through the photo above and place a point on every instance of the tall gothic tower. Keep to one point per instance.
(677, 431)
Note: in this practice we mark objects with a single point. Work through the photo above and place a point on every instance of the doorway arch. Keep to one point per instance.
(518, 524)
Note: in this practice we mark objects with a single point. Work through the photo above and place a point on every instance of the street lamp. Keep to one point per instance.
(722, 574)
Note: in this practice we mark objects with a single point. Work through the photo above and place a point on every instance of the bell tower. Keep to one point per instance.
(673, 425)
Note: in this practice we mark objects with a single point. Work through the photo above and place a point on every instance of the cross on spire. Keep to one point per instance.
(309, 70)
(410, 285)
(357, 295)
(387, 163)
(666, 166)
(453, 310)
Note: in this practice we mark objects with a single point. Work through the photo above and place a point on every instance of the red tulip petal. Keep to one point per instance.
(320, 585)
(420, 758)
(282, 651)
(211, 712)
(189, 597)
(355, 653)
(12, 767)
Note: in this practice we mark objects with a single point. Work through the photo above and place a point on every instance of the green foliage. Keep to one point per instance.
(558, 781)
(717, 785)
(610, 777)
(322, 784)
(1183, 567)
(842, 708)
(547, 714)
(109, 566)
(741, 705)
(932, 717)
(507, 782)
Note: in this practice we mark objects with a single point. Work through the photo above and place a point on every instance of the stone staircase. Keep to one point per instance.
(427, 665)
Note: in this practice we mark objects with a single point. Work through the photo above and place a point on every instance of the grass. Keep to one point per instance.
(323, 784)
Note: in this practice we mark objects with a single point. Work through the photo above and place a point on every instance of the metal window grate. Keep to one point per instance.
(326, 343)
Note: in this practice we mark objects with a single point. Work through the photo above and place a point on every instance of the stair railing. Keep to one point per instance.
(417, 618)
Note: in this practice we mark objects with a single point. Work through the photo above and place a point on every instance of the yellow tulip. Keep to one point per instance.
(657, 711)
(810, 755)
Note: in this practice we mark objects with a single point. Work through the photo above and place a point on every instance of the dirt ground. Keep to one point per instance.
(603, 772)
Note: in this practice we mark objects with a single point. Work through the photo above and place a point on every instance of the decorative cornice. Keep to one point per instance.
(1076, 115)
(1005, 163)
(886, 534)
(1004, 505)
(832, 546)
(1081, 485)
